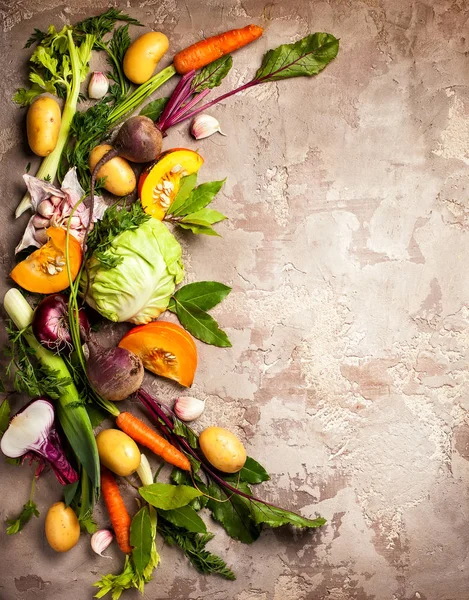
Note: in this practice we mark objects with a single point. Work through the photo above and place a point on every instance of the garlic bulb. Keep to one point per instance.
(100, 541)
(203, 126)
(53, 207)
(188, 408)
(98, 86)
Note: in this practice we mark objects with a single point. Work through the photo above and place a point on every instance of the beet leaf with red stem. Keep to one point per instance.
(306, 57)
(230, 498)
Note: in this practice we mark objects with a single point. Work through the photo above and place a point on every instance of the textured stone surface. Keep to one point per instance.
(346, 249)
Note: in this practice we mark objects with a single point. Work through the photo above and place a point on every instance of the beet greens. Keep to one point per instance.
(228, 497)
(307, 57)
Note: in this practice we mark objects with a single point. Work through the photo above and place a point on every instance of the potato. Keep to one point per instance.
(62, 527)
(143, 55)
(222, 449)
(120, 178)
(42, 125)
(118, 452)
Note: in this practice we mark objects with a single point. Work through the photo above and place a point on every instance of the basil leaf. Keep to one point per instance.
(213, 74)
(16, 525)
(167, 496)
(69, 491)
(275, 517)
(4, 416)
(203, 294)
(233, 512)
(201, 325)
(185, 517)
(154, 109)
(205, 216)
(205, 229)
(141, 539)
(185, 189)
(308, 56)
(252, 472)
(199, 198)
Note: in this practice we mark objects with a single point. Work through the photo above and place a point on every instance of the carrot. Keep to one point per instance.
(206, 51)
(144, 435)
(120, 518)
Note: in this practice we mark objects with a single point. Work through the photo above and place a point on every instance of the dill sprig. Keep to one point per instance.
(27, 376)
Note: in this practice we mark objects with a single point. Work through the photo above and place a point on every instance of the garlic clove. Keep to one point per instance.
(55, 200)
(41, 236)
(46, 209)
(75, 223)
(98, 86)
(188, 408)
(40, 222)
(100, 541)
(203, 126)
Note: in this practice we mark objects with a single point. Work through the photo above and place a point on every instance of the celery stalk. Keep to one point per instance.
(72, 414)
(50, 164)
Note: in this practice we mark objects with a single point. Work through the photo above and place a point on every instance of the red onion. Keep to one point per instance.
(51, 323)
(32, 430)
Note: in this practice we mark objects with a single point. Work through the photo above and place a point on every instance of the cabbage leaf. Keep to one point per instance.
(135, 277)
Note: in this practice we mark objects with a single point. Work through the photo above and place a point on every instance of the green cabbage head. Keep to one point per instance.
(135, 277)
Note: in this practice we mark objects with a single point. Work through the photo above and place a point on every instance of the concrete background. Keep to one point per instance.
(347, 249)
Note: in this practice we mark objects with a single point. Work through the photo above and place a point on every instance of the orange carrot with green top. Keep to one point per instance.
(206, 51)
(120, 518)
(144, 435)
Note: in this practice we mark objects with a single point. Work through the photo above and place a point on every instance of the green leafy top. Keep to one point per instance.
(51, 65)
(51, 69)
(104, 23)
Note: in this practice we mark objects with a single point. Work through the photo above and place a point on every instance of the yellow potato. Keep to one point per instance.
(143, 55)
(222, 449)
(42, 125)
(120, 178)
(62, 527)
(118, 452)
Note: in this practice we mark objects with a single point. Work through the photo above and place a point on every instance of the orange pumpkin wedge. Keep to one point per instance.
(165, 349)
(160, 182)
(45, 270)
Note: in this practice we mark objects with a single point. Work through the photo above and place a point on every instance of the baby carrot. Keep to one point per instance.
(144, 435)
(206, 51)
(120, 518)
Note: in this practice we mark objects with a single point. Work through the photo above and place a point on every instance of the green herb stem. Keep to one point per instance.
(134, 100)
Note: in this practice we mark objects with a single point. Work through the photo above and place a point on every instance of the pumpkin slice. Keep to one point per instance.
(160, 182)
(165, 349)
(45, 270)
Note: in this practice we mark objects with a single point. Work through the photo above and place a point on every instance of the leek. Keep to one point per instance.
(71, 411)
